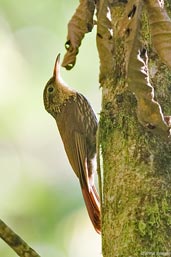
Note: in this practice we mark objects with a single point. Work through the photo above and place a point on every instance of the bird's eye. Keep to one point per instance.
(50, 89)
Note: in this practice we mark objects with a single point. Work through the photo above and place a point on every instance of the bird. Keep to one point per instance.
(77, 124)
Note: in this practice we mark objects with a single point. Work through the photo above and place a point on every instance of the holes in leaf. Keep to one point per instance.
(150, 126)
(132, 12)
(67, 44)
(143, 52)
(89, 27)
(69, 66)
(128, 31)
(110, 37)
(99, 35)
(161, 3)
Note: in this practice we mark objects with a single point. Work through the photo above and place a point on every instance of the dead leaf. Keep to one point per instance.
(80, 23)
(160, 25)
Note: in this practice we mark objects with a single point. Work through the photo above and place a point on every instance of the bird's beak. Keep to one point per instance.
(56, 71)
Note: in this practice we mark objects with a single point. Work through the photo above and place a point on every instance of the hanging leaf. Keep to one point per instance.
(104, 39)
(148, 110)
(80, 23)
(160, 25)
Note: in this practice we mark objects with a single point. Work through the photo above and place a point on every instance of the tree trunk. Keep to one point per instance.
(136, 202)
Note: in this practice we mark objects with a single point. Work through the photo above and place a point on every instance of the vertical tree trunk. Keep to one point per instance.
(136, 204)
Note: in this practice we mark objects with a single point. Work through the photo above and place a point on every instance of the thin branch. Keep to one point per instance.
(16, 242)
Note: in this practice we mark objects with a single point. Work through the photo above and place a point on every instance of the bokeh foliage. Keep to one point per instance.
(39, 194)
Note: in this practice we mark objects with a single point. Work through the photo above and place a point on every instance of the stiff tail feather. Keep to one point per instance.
(91, 199)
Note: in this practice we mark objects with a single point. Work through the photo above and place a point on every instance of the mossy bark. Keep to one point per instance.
(136, 204)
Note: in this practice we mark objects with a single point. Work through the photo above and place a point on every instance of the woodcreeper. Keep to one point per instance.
(77, 124)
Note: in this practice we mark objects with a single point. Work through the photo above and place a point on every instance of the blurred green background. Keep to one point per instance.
(40, 196)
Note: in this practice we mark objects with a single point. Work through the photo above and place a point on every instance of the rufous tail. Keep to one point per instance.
(92, 202)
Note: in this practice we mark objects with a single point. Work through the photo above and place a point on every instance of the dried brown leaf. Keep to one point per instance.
(80, 23)
(148, 110)
(160, 25)
(104, 39)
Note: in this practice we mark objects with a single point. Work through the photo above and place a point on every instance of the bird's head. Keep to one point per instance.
(52, 94)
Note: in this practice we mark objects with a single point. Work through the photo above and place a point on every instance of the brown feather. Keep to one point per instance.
(77, 125)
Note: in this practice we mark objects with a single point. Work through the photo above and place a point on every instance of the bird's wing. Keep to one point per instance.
(90, 195)
(81, 151)
(75, 144)
(76, 150)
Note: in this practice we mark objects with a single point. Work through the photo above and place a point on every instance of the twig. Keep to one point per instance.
(16, 242)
